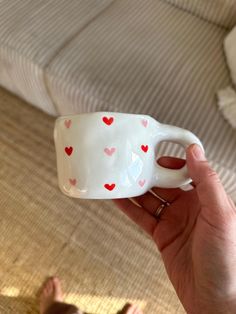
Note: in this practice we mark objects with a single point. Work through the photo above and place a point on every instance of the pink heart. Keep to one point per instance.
(144, 123)
(109, 151)
(67, 123)
(141, 182)
(72, 181)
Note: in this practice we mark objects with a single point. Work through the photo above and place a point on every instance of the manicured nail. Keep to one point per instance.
(198, 153)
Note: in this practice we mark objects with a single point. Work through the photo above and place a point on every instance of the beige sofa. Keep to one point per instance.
(159, 57)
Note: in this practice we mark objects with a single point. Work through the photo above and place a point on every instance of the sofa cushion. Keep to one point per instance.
(220, 12)
(32, 33)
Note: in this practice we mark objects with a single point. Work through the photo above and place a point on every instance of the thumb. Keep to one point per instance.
(210, 190)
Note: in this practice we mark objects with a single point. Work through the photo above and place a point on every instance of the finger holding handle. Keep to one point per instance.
(173, 178)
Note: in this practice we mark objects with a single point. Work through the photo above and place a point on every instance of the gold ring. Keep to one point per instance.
(161, 207)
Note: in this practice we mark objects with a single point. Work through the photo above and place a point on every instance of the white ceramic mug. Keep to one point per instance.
(105, 155)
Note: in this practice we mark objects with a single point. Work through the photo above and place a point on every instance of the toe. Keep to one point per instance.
(132, 309)
(42, 289)
(45, 291)
(47, 295)
(49, 287)
(57, 289)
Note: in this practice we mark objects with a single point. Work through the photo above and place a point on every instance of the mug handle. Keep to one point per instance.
(173, 178)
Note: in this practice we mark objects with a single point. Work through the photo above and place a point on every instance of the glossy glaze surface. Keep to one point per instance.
(105, 155)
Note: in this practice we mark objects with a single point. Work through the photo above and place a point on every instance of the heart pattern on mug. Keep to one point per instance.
(109, 151)
(108, 121)
(69, 150)
(144, 148)
(67, 123)
(72, 181)
(144, 122)
(142, 182)
(109, 187)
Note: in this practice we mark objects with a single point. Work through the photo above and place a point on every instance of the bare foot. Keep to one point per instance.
(50, 292)
(130, 309)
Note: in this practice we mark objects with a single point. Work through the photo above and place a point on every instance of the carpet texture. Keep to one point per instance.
(103, 259)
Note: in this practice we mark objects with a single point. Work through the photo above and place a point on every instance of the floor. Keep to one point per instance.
(103, 259)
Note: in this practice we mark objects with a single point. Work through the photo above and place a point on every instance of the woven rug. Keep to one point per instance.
(103, 259)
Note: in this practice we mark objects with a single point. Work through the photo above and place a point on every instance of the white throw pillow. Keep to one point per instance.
(227, 97)
(230, 51)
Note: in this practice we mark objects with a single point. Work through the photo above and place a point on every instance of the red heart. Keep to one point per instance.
(144, 148)
(110, 187)
(72, 181)
(69, 150)
(107, 120)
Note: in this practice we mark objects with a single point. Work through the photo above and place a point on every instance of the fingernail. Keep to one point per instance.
(198, 153)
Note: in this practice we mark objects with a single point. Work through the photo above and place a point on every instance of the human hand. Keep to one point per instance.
(196, 235)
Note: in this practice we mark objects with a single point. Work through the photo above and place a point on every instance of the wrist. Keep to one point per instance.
(211, 305)
(224, 307)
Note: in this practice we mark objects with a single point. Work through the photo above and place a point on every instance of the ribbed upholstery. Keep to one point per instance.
(31, 34)
(122, 55)
(220, 12)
